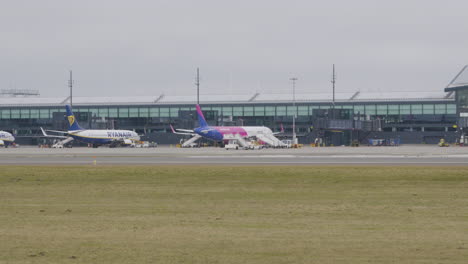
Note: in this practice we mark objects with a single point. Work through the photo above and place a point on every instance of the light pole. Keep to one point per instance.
(294, 79)
(70, 85)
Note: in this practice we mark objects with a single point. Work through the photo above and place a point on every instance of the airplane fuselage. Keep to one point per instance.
(6, 138)
(94, 136)
(220, 133)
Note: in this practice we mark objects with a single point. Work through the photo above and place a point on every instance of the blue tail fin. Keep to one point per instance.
(201, 118)
(72, 123)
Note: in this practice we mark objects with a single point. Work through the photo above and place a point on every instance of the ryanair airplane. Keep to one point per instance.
(6, 139)
(96, 137)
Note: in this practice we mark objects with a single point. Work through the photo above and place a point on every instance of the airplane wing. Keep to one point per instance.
(183, 131)
(54, 136)
(56, 131)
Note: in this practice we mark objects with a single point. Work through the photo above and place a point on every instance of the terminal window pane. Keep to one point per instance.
(44, 113)
(259, 111)
(393, 110)
(25, 113)
(359, 110)
(144, 112)
(281, 110)
(451, 109)
(113, 112)
(303, 110)
(382, 109)
(34, 113)
(103, 112)
(462, 98)
(292, 110)
(93, 112)
(248, 111)
(133, 112)
(347, 107)
(237, 111)
(440, 109)
(123, 112)
(416, 109)
(270, 111)
(174, 111)
(55, 110)
(164, 112)
(405, 109)
(428, 109)
(216, 109)
(227, 110)
(6, 114)
(370, 110)
(15, 113)
(311, 109)
(154, 112)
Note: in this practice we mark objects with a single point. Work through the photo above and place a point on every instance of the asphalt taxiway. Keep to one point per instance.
(404, 155)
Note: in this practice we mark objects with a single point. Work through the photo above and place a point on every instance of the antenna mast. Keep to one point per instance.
(333, 81)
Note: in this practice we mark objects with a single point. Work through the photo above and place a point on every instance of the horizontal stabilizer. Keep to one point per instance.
(183, 131)
(53, 136)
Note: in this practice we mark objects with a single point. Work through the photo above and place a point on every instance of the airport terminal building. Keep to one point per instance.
(412, 117)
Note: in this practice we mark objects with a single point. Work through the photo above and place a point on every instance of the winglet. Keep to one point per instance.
(282, 128)
(172, 128)
(201, 118)
(44, 133)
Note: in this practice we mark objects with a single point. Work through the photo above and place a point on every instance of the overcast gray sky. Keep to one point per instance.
(150, 47)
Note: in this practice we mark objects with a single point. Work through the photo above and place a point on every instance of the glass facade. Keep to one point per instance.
(280, 110)
(462, 99)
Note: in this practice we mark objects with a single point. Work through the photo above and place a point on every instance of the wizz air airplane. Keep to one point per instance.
(96, 137)
(229, 133)
(6, 139)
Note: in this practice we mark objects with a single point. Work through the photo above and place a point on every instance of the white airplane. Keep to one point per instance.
(96, 137)
(229, 133)
(6, 139)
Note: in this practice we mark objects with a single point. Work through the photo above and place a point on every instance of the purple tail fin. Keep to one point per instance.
(201, 118)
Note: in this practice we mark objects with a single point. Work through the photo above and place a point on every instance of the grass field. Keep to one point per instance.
(195, 214)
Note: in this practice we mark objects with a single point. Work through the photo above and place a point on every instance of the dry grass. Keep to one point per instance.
(222, 214)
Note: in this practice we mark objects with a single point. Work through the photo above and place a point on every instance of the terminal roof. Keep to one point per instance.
(251, 98)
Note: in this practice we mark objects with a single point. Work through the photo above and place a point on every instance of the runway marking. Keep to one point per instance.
(240, 162)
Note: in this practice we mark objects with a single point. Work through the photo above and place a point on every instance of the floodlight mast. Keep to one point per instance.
(294, 79)
(333, 81)
(198, 86)
(70, 85)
